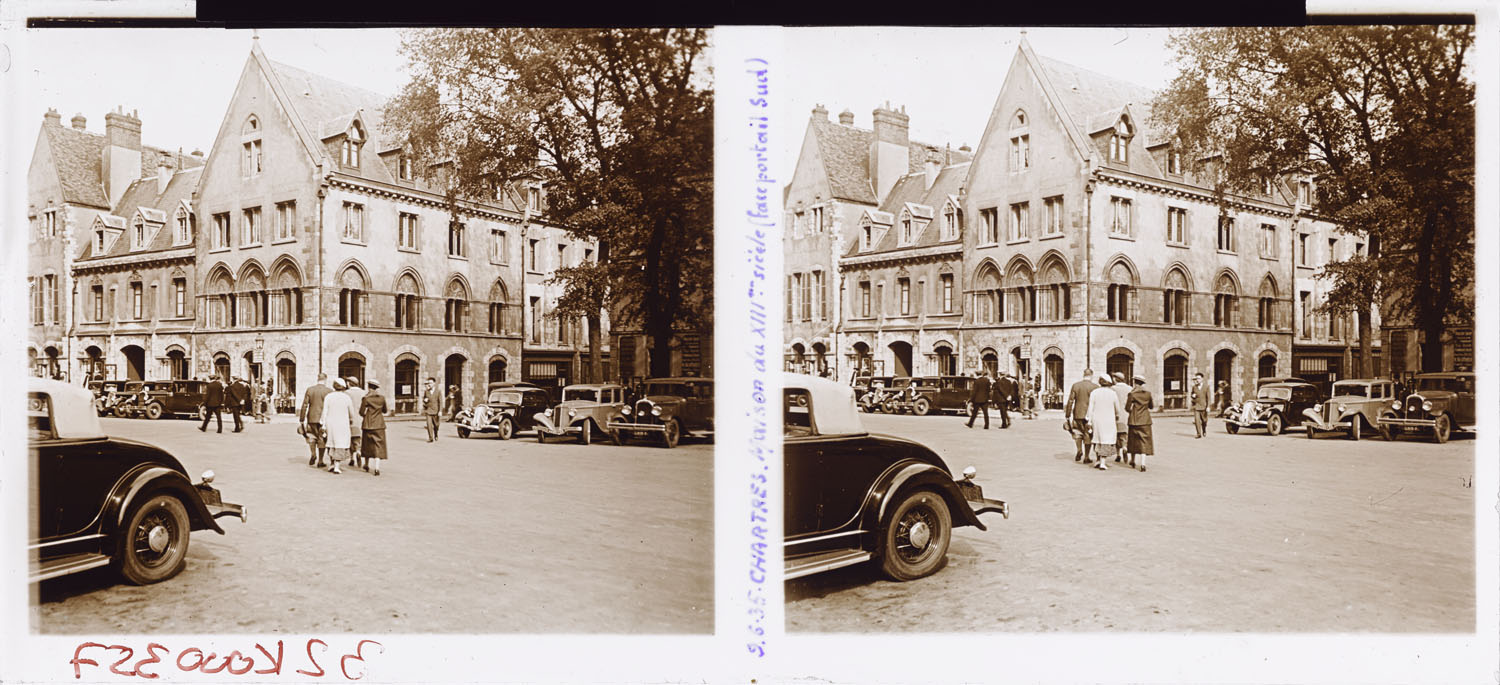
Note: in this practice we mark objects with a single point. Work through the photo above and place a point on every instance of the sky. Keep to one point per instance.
(180, 80)
(948, 78)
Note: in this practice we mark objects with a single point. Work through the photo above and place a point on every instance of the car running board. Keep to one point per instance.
(62, 566)
(825, 561)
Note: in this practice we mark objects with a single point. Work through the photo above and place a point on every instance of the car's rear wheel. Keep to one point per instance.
(1389, 432)
(1273, 424)
(463, 431)
(1442, 429)
(153, 545)
(585, 434)
(506, 429)
(922, 406)
(671, 432)
(154, 411)
(916, 536)
(1231, 427)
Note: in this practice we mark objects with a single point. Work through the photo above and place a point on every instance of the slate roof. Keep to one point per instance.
(912, 190)
(1094, 100)
(142, 196)
(846, 158)
(326, 106)
(79, 160)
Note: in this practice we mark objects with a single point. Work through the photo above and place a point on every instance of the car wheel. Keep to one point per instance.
(916, 536)
(585, 434)
(153, 545)
(671, 432)
(1273, 424)
(1232, 428)
(1387, 431)
(1311, 431)
(1354, 427)
(506, 429)
(921, 407)
(202, 413)
(154, 411)
(1442, 429)
(463, 431)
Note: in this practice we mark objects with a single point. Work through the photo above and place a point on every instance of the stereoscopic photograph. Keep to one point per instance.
(389, 331)
(1119, 329)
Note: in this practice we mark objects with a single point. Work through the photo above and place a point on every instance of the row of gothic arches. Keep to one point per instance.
(1053, 269)
(285, 273)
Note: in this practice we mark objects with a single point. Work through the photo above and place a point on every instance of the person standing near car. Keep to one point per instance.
(432, 403)
(338, 420)
(372, 428)
(1075, 411)
(1104, 413)
(979, 398)
(213, 399)
(310, 416)
(1138, 408)
(239, 401)
(1198, 402)
(356, 397)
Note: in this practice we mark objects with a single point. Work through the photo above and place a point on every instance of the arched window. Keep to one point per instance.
(352, 364)
(1020, 293)
(1265, 315)
(1057, 295)
(408, 302)
(184, 231)
(1266, 367)
(254, 299)
(251, 162)
(354, 138)
(1121, 305)
(1226, 302)
(1120, 360)
(987, 297)
(990, 360)
(221, 303)
(1174, 379)
(1174, 306)
(352, 297)
(288, 297)
(1119, 142)
(947, 363)
(456, 305)
(1020, 143)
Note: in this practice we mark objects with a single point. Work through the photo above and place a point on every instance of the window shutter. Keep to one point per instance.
(1134, 305)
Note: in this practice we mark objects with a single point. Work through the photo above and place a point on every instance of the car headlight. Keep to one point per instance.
(1318, 407)
(208, 476)
(1395, 404)
(1426, 406)
(1341, 408)
(625, 410)
(572, 413)
(656, 411)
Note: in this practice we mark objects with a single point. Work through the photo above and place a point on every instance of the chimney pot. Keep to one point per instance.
(79, 122)
(820, 112)
(52, 117)
(846, 117)
(964, 148)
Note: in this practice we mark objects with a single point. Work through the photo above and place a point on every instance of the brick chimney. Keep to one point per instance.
(79, 122)
(820, 112)
(889, 154)
(51, 118)
(931, 169)
(846, 117)
(163, 174)
(122, 152)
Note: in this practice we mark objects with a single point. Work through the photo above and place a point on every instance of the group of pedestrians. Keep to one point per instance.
(342, 423)
(1109, 417)
(1005, 392)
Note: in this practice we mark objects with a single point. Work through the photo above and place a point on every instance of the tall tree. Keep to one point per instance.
(617, 123)
(1382, 117)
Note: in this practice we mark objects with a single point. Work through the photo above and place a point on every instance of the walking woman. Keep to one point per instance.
(1104, 413)
(1138, 406)
(338, 418)
(372, 413)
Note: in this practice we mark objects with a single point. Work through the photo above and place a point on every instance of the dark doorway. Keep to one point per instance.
(1174, 380)
(135, 362)
(221, 365)
(405, 390)
(1267, 367)
(1223, 387)
(497, 370)
(991, 361)
(1121, 361)
(453, 377)
(286, 386)
(177, 365)
(352, 364)
(901, 354)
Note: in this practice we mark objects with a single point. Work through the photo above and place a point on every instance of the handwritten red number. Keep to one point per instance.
(186, 652)
(77, 672)
(151, 658)
(314, 660)
(114, 668)
(276, 661)
(358, 655)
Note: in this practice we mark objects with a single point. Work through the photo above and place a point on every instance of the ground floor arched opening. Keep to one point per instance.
(820, 359)
(221, 366)
(947, 362)
(1223, 381)
(404, 390)
(284, 389)
(1266, 368)
(864, 363)
(1120, 360)
(1052, 380)
(94, 367)
(497, 370)
(990, 360)
(901, 358)
(1174, 380)
(352, 365)
(53, 361)
(177, 364)
(1020, 363)
(135, 362)
(453, 382)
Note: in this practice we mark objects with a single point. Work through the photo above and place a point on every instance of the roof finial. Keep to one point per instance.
(255, 34)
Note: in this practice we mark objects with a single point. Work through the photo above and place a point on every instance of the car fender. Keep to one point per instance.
(914, 474)
(152, 479)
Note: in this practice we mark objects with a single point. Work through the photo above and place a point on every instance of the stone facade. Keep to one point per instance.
(556, 349)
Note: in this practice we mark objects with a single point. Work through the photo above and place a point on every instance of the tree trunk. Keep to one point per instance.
(1366, 354)
(596, 356)
(661, 350)
(1432, 346)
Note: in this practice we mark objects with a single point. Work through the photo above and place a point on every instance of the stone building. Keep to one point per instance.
(325, 250)
(842, 171)
(1325, 347)
(75, 176)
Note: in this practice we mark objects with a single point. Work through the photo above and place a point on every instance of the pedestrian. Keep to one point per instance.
(1000, 393)
(1198, 402)
(257, 391)
(338, 420)
(1104, 412)
(356, 396)
(450, 407)
(1221, 402)
(1122, 389)
(1028, 410)
(979, 398)
(310, 420)
(372, 428)
(432, 403)
(213, 399)
(1138, 408)
(239, 401)
(1075, 415)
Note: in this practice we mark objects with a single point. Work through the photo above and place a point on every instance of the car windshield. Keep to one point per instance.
(581, 394)
(1450, 384)
(1350, 390)
(505, 397)
(1274, 392)
(677, 389)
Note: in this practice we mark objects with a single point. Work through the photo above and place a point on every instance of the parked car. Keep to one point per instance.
(104, 501)
(1259, 382)
(118, 400)
(1276, 407)
(1356, 406)
(156, 399)
(508, 408)
(889, 401)
(669, 407)
(851, 496)
(941, 394)
(585, 408)
(870, 391)
(104, 392)
(1441, 403)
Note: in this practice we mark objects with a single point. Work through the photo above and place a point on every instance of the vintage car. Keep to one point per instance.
(156, 399)
(668, 407)
(1440, 402)
(1276, 406)
(119, 399)
(507, 409)
(851, 496)
(104, 393)
(1356, 406)
(939, 394)
(584, 409)
(1277, 379)
(107, 501)
(870, 391)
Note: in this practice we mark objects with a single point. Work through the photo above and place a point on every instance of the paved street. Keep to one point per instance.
(465, 536)
(1227, 533)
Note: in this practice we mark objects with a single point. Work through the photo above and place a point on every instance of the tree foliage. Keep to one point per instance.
(1381, 116)
(617, 122)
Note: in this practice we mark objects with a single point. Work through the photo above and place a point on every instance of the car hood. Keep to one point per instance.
(913, 448)
(125, 448)
(662, 399)
(1430, 395)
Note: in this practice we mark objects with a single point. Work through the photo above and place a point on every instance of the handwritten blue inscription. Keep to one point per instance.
(759, 220)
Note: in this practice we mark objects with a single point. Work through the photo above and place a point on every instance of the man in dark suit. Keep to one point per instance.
(1198, 402)
(1076, 409)
(432, 404)
(239, 398)
(213, 398)
(310, 414)
(979, 399)
(1005, 392)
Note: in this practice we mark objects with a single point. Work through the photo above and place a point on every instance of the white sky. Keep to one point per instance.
(947, 78)
(180, 80)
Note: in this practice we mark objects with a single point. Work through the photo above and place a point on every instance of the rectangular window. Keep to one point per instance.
(562, 256)
(1020, 221)
(534, 199)
(1268, 241)
(497, 246)
(403, 168)
(1304, 192)
(251, 160)
(49, 223)
(36, 303)
(822, 290)
(906, 231)
(531, 256)
(799, 222)
(286, 220)
(817, 219)
(903, 286)
(1054, 216)
(1306, 301)
(1020, 153)
(137, 301)
(1226, 234)
(99, 242)
(250, 226)
(354, 222)
(179, 297)
(1120, 216)
(52, 304)
(98, 302)
(791, 296)
(588, 255)
(864, 298)
(947, 284)
(138, 235)
(406, 231)
(1174, 162)
(865, 237)
(1302, 249)
(805, 283)
(350, 153)
(221, 231)
(1333, 250)
(1119, 148)
(1177, 225)
(456, 246)
(536, 320)
(989, 222)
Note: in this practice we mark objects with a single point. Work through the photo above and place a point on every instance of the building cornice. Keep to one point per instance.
(910, 256)
(1189, 192)
(419, 197)
(182, 255)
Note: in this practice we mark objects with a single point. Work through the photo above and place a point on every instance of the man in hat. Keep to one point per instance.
(356, 396)
(1122, 389)
(1138, 406)
(213, 399)
(1005, 391)
(239, 400)
(1075, 411)
(310, 415)
(432, 404)
(1198, 402)
(979, 398)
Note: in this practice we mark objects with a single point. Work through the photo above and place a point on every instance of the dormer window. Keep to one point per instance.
(905, 230)
(534, 199)
(404, 167)
(251, 162)
(1119, 142)
(349, 150)
(99, 242)
(866, 231)
(138, 234)
(1174, 162)
(184, 227)
(1267, 186)
(1020, 144)
(950, 222)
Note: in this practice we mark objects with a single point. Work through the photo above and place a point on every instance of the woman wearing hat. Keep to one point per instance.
(1104, 413)
(372, 438)
(1138, 408)
(338, 419)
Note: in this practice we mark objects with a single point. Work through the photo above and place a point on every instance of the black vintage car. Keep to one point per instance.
(1276, 407)
(851, 496)
(1441, 403)
(155, 399)
(928, 394)
(508, 409)
(668, 407)
(106, 501)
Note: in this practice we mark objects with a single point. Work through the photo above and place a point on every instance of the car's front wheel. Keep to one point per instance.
(506, 429)
(922, 406)
(1232, 428)
(585, 434)
(153, 545)
(463, 431)
(154, 410)
(671, 432)
(1273, 424)
(1354, 427)
(1442, 428)
(916, 536)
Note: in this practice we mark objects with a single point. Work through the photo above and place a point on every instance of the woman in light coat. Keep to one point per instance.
(1104, 414)
(338, 418)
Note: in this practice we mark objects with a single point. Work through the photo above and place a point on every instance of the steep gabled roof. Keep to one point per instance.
(846, 158)
(912, 191)
(78, 157)
(1094, 101)
(142, 197)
